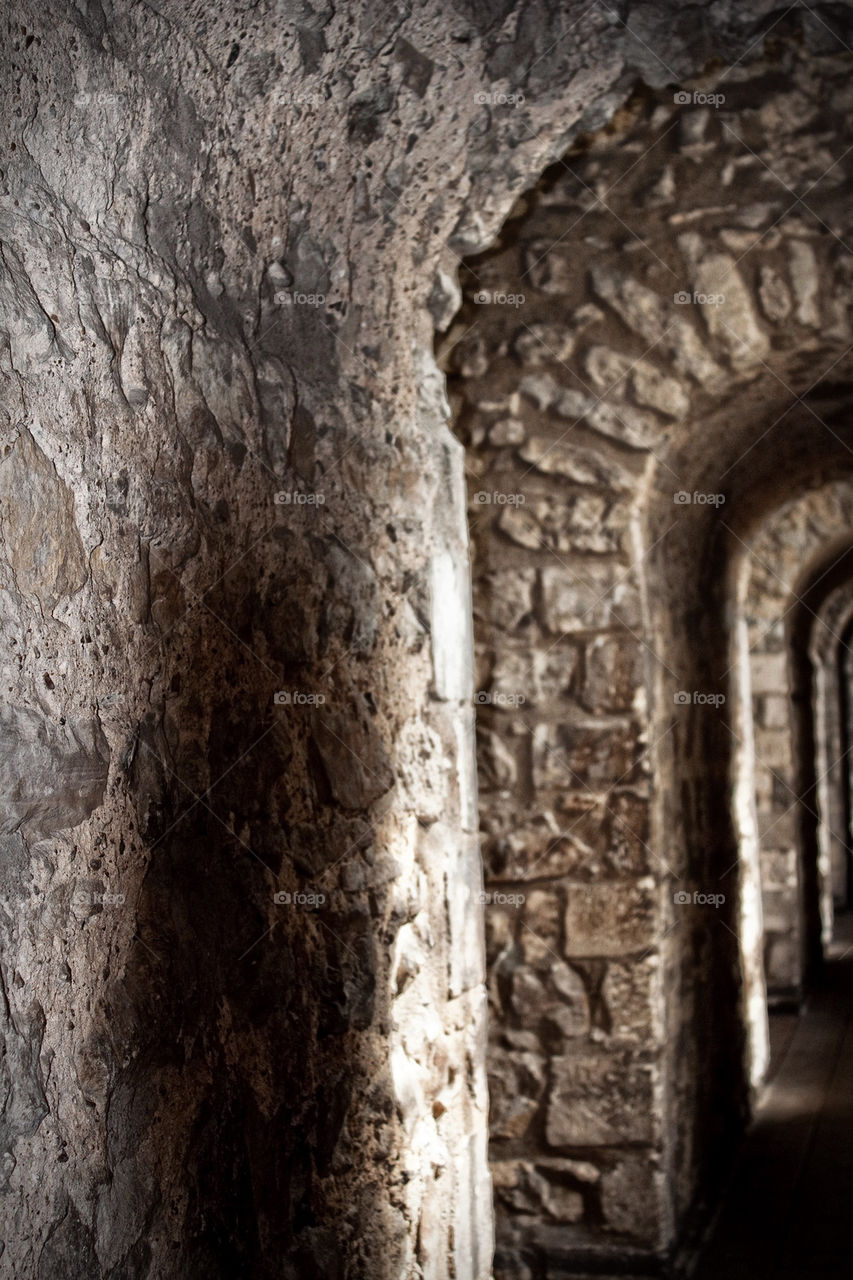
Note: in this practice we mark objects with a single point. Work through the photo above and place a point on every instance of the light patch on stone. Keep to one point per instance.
(41, 541)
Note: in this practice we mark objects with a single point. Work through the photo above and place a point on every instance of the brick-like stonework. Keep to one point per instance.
(652, 280)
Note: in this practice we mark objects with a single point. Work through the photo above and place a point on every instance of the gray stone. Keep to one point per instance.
(52, 774)
(597, 1101)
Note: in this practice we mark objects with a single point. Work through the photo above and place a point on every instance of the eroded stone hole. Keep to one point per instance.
(625, 374)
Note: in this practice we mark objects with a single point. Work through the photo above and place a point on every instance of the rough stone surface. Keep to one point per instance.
(673, 301)
(244, 1011)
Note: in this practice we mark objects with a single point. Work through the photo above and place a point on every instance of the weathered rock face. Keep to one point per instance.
(243, 1001)
(621, 372)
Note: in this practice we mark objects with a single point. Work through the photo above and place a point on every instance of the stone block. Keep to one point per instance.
(774, 749)
(600, 1101)
(657, 321)
(613, 673)
(532, 675)
(586, 523)
(541, 938)
(774, 711)
(589, 596)
(497, 765)
(585, 752)
(551, 998)
(41, 540)
(540, 343)
(508, 431)
(535, 1190)
(505, 598)
(768, 672)
(805, 279)
(53, 773)
(774, 295)
(610, 919)
(628, 851)
(632, 1199)
(728, 315)
(632, 1001)
(577, 463)
(658, 391)
(539, 847)
(516, 1089)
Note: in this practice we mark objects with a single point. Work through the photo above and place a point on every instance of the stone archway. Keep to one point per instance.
(620, 433)
(795, 535)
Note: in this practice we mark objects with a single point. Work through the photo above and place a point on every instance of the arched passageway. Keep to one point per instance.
(651, 372)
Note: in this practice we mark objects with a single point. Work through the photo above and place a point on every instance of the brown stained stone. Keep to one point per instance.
(628, 850)
(585, 752)
(631, 1000)
(527, 1188)
(610, 919)
(353, 755)
(40, 533)
(613, 673)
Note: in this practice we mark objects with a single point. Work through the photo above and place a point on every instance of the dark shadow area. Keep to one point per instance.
(785, 1215)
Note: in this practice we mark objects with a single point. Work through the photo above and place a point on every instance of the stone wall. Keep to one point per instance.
(243, 1008)
(623, 346)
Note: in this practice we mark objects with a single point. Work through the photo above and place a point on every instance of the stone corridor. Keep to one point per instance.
(426, 640)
